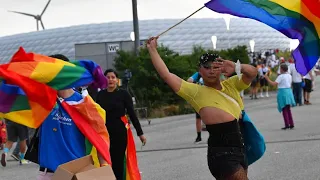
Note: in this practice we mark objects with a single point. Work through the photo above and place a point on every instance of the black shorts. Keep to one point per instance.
(198, 116)
(263, 82)
(16, 131)
(226, 150)
(308, 85)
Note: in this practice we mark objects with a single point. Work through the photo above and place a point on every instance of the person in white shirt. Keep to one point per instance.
(285, 97)
(263, 70)
(308, 79)
(296, 83)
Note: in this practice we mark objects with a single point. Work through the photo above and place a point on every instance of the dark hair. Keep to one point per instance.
(284, 67)
(207, 57)
(60, 56)
(109, 71)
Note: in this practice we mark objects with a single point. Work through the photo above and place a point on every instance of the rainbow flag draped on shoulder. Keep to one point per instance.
(297, 19)
(28, 94)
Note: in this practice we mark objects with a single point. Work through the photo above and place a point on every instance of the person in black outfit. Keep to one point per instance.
(117, 103)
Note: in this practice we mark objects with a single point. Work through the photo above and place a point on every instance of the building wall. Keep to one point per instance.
(181, 39)
(103, 53)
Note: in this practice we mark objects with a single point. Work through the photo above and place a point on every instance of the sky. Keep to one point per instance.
(63, 13)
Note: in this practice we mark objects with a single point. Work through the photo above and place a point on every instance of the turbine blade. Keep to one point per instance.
(27, 14)
(45, 8)
(42, 24)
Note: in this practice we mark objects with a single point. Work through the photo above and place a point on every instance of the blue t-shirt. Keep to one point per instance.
(60, 139)
(197, 78)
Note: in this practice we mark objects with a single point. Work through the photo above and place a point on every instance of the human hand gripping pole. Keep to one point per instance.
(171, 79)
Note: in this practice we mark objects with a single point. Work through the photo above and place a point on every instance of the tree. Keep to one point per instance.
(150, 90)
(285, 54)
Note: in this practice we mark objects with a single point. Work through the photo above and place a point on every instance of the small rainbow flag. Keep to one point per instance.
(132, 171)
(297, 19)
(28, 94)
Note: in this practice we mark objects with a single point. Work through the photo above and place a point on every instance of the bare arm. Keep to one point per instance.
(66, 93)
(248, 73)
(171, 79)
(272, 83)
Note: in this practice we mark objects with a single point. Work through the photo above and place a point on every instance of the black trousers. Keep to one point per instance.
(118, 146)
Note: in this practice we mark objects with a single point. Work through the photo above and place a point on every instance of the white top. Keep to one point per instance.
(263, 71)
(284, 80)
(307, 76)
(296, 77)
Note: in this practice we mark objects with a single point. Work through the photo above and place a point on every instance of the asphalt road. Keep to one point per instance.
(171, 154)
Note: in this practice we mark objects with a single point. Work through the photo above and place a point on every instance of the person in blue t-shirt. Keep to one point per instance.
(60, 140)
(196, 78)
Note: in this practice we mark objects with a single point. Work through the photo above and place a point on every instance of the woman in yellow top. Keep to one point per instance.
(219, 105)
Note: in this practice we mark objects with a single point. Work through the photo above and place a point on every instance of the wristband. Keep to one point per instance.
(238, 69)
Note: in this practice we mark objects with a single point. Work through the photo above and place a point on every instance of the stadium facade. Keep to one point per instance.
(99, 42)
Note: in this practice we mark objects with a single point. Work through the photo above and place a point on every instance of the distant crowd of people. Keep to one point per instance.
(292, 88)
(302, 86)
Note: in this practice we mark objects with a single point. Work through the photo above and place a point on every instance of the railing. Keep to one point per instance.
(142, 112)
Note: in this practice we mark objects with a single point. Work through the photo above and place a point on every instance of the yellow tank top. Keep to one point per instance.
(203, 96)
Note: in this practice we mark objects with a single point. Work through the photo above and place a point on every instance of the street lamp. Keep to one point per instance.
(135, 27)
(132, 36)
(214, 41)
(252, 43)
(227, 19)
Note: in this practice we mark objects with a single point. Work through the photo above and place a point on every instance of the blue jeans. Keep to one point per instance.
(297, 92)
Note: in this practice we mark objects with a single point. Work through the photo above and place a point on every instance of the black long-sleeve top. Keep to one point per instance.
(117, 104)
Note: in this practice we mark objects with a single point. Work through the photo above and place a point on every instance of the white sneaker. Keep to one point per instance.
(261, 95)
(23, 161)
(267, 95)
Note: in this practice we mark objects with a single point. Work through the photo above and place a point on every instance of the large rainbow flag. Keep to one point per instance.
(56, 73)
(28, 94)
(297, 19)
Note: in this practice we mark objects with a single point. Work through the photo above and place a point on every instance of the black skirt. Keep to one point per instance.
(226, 150)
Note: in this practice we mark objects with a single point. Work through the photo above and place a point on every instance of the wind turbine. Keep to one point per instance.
(37, 17)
